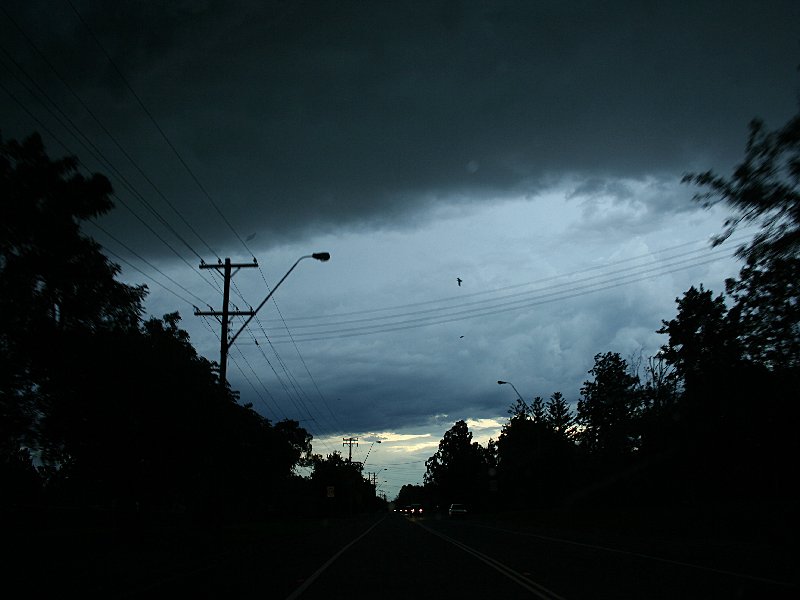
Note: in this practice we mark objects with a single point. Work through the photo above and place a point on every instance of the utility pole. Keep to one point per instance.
(349, 442)
(224, 344)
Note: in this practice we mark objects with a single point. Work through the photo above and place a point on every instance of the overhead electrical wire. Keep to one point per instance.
(147, 262)
(302, 360)
(135, 268)
(105, 130)
(90, 147)
(293, 385)
(277, 409)
(98, 155)
(459, 299)
(95, 152)
(161, 132)
(155, 122)
(492, 306)
(290, 376)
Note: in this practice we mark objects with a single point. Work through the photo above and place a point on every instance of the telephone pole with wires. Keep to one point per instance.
(349, 442)
(228, 272)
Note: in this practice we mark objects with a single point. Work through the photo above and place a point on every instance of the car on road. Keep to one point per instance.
(457, 511)
(415, 510)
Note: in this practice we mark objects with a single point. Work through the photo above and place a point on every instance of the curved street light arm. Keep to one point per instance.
(321, 256)
(515, 389)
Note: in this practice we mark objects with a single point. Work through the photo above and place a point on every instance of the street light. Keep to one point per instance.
(512, 385)
(223, 367)
(370, 450)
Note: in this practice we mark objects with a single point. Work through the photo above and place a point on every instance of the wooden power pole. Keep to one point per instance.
(224, 343)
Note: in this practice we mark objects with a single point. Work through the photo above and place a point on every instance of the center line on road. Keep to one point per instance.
(536, 589)
(296, 594)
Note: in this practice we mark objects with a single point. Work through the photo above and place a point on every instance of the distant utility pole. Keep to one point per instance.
(349, 442)
(224, 343)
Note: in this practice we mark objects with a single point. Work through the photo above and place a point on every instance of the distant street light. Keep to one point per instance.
(370, 450)
(226, 344)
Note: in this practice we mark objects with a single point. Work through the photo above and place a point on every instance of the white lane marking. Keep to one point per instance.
(538, 590)
(328, 563)
(639, 555)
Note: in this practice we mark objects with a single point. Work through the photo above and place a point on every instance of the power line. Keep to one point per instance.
(168, 142)
(461, 297)
(95, 152)
(498, 305)
(156, 125)
(151, 265)
(105, 130)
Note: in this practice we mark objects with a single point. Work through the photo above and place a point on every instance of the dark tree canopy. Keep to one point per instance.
(460, 468)
(559, 415)
(54, 280)
(608, 407)
(117, 412)
(763, 189)
(766, 311)
(701, 337)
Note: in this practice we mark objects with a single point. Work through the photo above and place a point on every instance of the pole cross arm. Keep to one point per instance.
(216, 313)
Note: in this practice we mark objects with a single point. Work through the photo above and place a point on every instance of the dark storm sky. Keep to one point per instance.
(507, 143)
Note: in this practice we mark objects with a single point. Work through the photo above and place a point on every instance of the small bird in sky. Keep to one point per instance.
(458, 279)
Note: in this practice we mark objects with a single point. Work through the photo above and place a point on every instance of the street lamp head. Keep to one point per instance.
(501, 382)
(323, 256)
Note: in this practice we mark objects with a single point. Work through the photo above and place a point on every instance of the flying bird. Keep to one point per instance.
(458, 279)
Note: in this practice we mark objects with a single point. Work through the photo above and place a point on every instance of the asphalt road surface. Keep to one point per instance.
(434, 557)
(390, 556)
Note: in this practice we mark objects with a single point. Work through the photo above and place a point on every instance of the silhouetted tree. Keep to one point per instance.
(121, 414)
(722, 421)
(351, 492)
(538, 410)
(766, 311)
(763, 189)
(416, 494)
(54, 282)
(559, 415)
(534, 455)
(520, 408)
(459, 471)
(701, 338)
(660, 407)
(608, 409)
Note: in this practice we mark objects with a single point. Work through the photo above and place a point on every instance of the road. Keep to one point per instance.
(434, 557)
(392, 556)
